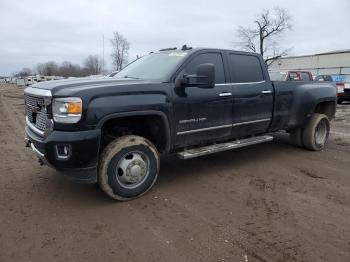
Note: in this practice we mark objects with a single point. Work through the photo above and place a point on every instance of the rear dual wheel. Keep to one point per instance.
(315, 134)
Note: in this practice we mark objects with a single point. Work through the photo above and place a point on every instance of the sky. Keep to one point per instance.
(36, 31)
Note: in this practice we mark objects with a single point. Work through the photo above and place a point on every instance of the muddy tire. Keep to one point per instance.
(296, 137)
(316, 132)
(128, 167)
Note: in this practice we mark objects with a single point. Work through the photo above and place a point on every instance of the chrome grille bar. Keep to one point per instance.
(36, 102)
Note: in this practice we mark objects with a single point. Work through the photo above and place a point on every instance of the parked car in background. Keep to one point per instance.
(20, 82)
(49, 78)
(345, 96)
(40, 78)
(29, 80)
(339, 85)
(292, 75)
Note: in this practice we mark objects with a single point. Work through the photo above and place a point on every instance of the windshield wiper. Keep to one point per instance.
(132, 77)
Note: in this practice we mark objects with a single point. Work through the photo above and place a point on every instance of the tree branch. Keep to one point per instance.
(268, 27)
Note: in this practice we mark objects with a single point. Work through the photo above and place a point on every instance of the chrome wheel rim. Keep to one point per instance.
(132, 169)
(321, 132)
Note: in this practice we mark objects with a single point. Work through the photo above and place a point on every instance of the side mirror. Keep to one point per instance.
(204, 77)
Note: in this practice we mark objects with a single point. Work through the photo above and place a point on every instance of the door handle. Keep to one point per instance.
(225, 94)
(266, 92)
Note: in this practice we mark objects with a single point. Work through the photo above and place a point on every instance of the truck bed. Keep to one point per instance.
(295, 98)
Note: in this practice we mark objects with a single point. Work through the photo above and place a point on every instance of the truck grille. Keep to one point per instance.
(36, 111)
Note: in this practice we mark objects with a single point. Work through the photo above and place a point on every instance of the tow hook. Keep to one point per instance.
(41, 162)
(27, 142)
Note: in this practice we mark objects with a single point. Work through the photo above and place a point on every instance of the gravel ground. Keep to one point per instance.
(269, 202)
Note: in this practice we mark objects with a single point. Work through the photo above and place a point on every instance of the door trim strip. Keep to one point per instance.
(202, 129)
(244, 83)
(251, 122)
(223, 126)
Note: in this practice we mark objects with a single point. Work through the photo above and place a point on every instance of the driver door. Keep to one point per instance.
(203, 115)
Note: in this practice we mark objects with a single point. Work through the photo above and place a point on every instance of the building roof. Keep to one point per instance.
(335, 52)
(324, 53)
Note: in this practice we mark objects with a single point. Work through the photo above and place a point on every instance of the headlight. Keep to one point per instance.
(67, 110)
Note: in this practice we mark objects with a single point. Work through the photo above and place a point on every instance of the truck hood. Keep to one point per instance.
(73, 86)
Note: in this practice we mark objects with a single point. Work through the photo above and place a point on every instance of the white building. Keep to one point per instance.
(336, 63)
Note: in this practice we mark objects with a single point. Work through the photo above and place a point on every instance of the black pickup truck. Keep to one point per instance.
(189, 102)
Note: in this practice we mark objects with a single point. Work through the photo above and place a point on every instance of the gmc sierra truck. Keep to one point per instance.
(188, 102)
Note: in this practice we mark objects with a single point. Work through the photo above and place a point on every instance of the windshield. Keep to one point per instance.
(277, 76)
(152, 66)
(347, 79)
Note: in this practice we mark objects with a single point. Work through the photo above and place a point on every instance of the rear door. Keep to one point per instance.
(252, 95)
(203, 114)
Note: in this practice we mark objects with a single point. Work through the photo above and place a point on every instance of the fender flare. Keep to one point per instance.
(141, 113)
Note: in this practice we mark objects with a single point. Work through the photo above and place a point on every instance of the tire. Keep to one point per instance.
(316, 132)
(296, 137)
(340, 101)
(128, 167)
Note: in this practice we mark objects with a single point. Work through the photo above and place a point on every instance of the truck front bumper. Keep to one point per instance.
(74, 154)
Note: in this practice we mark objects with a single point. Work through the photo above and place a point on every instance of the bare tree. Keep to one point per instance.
(93, 64)
(24, 72)
(39, 68)
(68, 69)
(262, 38)
(47, 69)
(120, 51)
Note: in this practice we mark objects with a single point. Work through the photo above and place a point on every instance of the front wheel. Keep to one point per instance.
(316, 132)
(340, 101)
(128, 168)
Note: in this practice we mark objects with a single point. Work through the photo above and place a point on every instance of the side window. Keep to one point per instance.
(245, 68)
(305, 76)
(293, 76)
(213, 58)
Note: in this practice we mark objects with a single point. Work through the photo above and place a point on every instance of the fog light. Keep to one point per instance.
(63, 152)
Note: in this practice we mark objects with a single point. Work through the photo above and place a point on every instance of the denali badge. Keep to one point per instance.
(192, 120)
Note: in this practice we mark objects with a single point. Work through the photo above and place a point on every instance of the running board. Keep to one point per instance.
(206, 150)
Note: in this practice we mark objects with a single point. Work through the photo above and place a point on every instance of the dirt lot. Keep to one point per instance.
(270, 202)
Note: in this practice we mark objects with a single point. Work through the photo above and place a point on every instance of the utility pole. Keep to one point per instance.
(103, 54)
